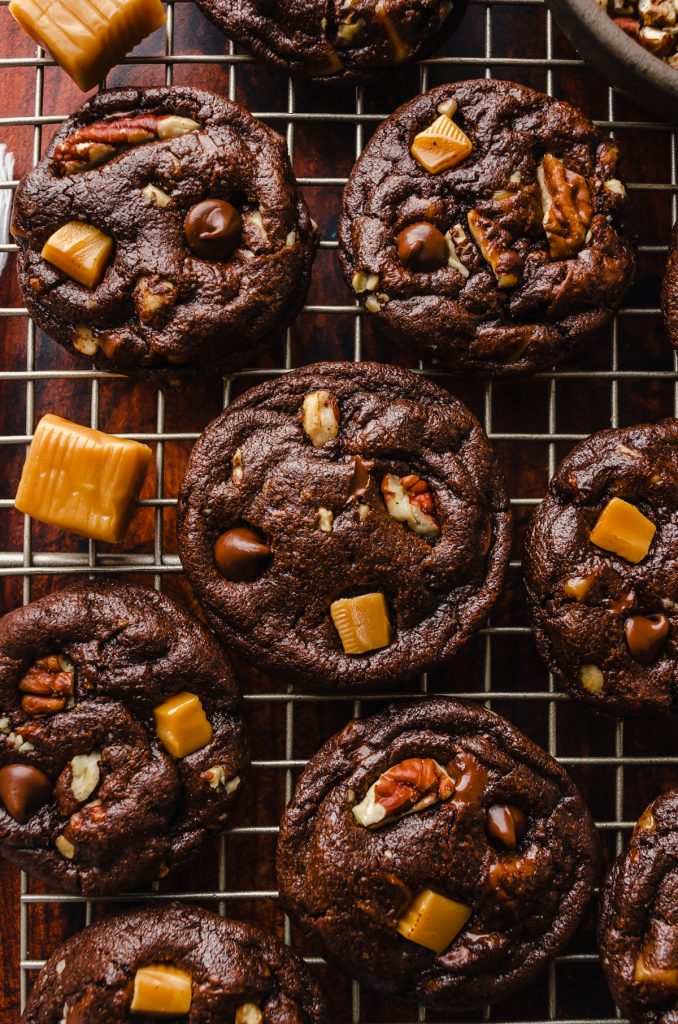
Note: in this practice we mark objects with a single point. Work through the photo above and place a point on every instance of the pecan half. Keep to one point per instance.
(406, 787)
(47, 686)
(494, 243)
(93, 144)
(567, 207)
(409, 500)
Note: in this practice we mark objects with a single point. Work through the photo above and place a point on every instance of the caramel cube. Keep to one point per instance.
(441, 146)
(88, 37)
(433, 921)
(79, 250)
(182, 724)
(81, 479)
(161, 990)
(623, 529)
(362, 622)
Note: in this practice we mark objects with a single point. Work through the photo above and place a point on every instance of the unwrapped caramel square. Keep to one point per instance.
(88, 37)
(182, 725)
(623, 529)
(162, 990)
(82, 479)
(433, 921)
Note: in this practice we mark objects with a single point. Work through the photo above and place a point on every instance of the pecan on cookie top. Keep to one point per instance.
(637, 930)
(345, 525)
(483, 228)
(601, 572)
(121, 743)
(163, 233)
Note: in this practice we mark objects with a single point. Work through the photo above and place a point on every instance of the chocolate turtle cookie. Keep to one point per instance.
(483, 228)
(340, 41)
(121, 744)
(435, 850)
(638, 927)
(163, 232)
(670, 291)
(601, 571)
(177, 962)
(345, 525)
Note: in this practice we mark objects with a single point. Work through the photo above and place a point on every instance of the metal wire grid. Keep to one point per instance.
(29, 563)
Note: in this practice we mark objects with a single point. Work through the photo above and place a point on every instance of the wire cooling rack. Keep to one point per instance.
(628, 375)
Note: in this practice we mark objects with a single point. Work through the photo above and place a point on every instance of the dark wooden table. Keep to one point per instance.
(627, 375)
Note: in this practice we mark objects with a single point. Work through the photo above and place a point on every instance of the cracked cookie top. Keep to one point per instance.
(175, 961)
(337, 40)
(163, 232)
(638, 924)
(600, 570)
(345, 525)
(483, 227)
(121, 743)
(434, 849)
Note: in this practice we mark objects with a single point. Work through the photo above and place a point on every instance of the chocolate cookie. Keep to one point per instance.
(121, 744)
(177, 961)
(345, 525)
(163, 232)
(483, 227)
(638, 928)
(601, 571)
(434, 849)
(670, 291)
(340, 41)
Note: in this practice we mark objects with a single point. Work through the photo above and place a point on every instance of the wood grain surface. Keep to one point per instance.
(568, 404)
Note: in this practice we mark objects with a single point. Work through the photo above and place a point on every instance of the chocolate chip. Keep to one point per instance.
(23, 789)
(241, 554)
(213, 229)
(422, 247)
(506, 825)
(645, 636)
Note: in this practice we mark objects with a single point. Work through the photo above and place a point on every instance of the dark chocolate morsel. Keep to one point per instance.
(422, 247)
(361, 476)
(213, 229)
(506, 825)
(241, 554)
(646, 635)
(23, 789)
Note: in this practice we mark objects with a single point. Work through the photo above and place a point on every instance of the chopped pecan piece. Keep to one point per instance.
(409, 500)
(47, 686)
(409, 786)
(567, 207)
(494, 243)
(93, 144)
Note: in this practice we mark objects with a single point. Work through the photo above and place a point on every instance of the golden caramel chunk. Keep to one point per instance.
(441, 146)
(433, 921)
(86, 38)
(646, 822)
(182, 724)
(79, 250)
(623, 529)
(401, 50)
(644, 973)
(162, 990)
(81, 479)
(577, 587)
(362, 622)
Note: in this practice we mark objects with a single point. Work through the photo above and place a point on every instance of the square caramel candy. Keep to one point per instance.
(433, 921)
(85, 37)
(162, 990)
(441, 146)
(182, 725)
(362, 622)
(81, 479)
(79, 250)
(623, 529)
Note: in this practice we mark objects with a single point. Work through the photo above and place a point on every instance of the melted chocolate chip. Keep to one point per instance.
(241, 554)
(361, 476)
(645, 636)
(470, 777)
(624, 602)
(421, 247)
(23, 790)
(506, 825)
(213, 229)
